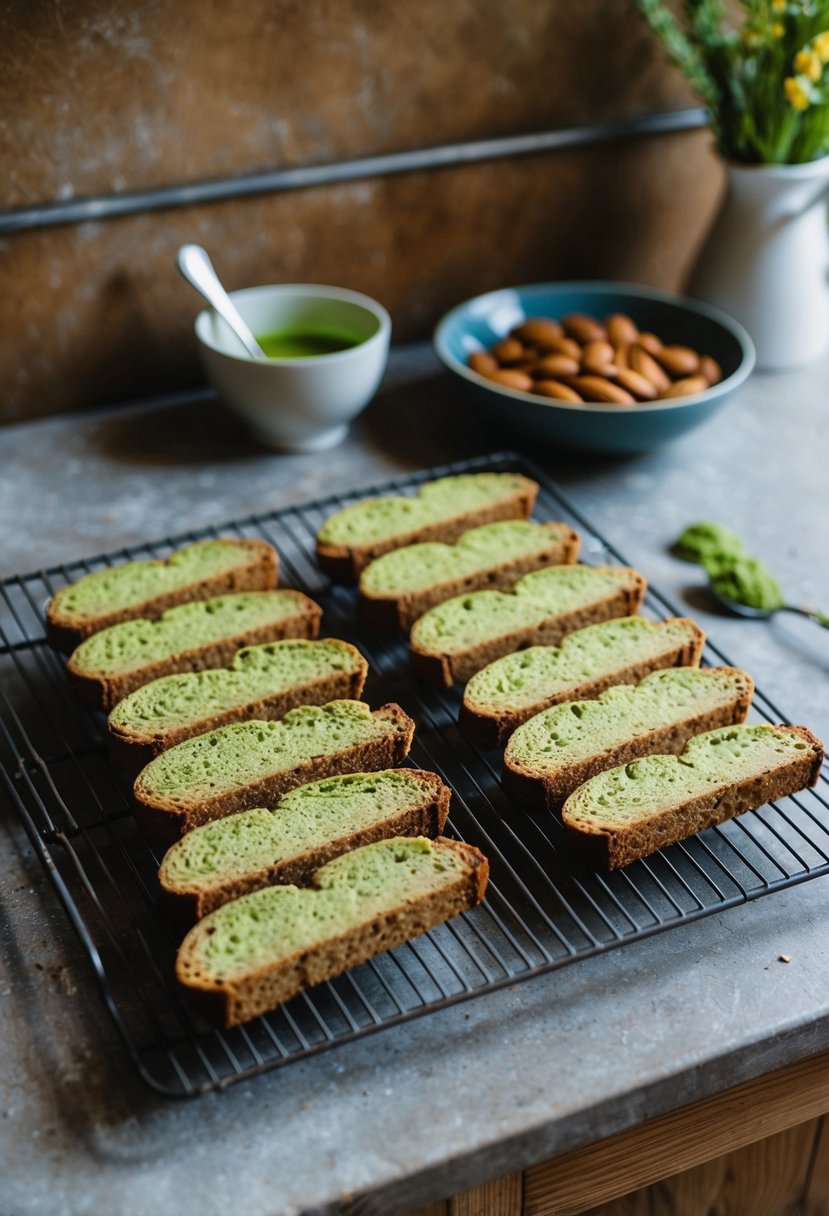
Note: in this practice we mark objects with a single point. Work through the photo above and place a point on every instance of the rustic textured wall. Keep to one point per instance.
(104, 96)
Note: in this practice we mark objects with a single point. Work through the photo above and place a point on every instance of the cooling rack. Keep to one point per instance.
(544, 908)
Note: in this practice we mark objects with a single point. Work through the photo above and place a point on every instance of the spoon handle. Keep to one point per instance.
(197, 269)
(820, 618)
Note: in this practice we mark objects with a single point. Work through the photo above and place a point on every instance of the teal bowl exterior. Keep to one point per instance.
(476, 324)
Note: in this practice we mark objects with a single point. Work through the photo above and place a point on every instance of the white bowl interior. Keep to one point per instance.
(293, 309)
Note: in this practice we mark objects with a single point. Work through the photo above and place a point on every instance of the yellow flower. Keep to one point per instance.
(779, 6)
(820, 46)
(807, 64)
(749, 37)
(778, 29)
(796, 95)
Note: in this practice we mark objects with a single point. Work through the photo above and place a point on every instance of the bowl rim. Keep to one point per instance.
(341, 294)
(638, 290)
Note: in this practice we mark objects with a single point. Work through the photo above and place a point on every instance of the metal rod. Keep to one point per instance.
(274, 181)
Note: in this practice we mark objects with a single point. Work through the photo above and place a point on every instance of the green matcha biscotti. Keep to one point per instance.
(509, 691)
(310, 826)
(400, 586)
(635, 809)
(252, 954)
(558, 750)
(114, 662)
(454, 640)
(261, 682)
(145, 589)
(251, 764)
(441, 510)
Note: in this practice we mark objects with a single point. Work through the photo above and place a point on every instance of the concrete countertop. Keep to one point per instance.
(429, 1108)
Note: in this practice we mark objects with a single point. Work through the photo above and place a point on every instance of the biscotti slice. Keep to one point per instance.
(558, 750)
(441, 510)
(145, 589)
(261, 682)
(252, 954)
(635, 809)
(510, 690)
(250, 764)
(310, 826)
(457, 638)
(113, 663)
(398, 587)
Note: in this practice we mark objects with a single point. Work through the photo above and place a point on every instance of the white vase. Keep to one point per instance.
(766, 260)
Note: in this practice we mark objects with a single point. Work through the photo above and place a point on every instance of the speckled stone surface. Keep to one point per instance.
(417, 1112)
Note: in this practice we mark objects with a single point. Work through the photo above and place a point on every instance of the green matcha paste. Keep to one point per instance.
(731, 571)
(747, 581)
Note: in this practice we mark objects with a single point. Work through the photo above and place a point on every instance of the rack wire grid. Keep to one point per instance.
(544, 908)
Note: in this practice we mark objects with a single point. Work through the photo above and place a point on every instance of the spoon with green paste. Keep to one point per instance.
(741, 583)
(747, 589)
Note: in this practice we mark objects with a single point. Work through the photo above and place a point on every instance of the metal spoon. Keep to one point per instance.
(197, 269)
(763, 614)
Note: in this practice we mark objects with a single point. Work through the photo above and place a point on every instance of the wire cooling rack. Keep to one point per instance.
(543, 909)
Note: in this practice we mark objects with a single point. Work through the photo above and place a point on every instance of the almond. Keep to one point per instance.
(508, 350)
(583, 328)
(649, 342)
(635, 383)
(556, 365)
(687, 386)
(678, 360)
(596, 388)
(565, 346)
(711, 369)
(509, 378)
(621, 329)
(556, 390)
(596, 355)
(621, 355)
(538, 331)
(483, 362)
(646, 365)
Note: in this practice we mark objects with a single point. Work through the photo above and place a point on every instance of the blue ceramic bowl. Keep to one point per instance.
(478, 323)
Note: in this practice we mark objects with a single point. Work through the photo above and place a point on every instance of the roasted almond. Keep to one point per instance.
(621, 355)
(597, 388)
(711, 369)
(678, 360)
(508, 350)
(483, 363)
(565, 346)
(556, 365)
(538, 331)
(646, 365)
(597, 353)
(637, 384)
(621, 329)
(687, 386)
(649, 342)
(510, 378)
(583, 328)
(556, 390)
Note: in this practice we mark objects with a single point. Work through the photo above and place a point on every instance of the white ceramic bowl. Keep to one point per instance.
(304, 404)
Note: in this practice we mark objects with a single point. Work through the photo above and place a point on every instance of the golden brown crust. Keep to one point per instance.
(548, 790)
(130, 749)
(493, 730)
(615, 849)
(448, 669)
(104, 692)
(258, 572)
(427, 817)
(389, 612)
(345, 563)
(162, 821)
(233, 1002)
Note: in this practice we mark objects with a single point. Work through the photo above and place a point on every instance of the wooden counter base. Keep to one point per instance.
(762, 1139)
